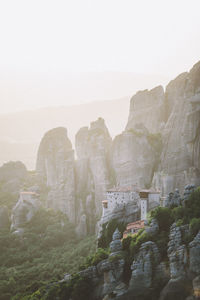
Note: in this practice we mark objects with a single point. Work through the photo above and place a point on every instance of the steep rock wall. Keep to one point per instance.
(147, 107)
(55, 164)
(93, 166)
(180, 158)
(134, 157)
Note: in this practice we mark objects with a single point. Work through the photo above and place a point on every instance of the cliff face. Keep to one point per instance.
(76, 187)
(148, 108)
(150, 277)
(55, 165)
(180, 159)
(174, 114)
(160, 147)
(134, 157)
(92, 169)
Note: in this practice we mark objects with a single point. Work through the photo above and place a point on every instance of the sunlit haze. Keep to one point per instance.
(68, 52)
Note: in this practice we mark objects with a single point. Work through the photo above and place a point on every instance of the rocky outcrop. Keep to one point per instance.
(4, 218)
(145, 269)
(25, 209)
(194, 255)
(134, 157)
(184, 263)
(55, 165)
(93, 166)
(147, 108)
(177, 252)
(180, 158)
(107, 276)
(173, 199)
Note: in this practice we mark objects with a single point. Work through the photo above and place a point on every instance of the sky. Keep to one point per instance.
(54, 52)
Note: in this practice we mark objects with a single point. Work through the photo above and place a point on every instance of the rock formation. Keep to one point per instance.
(145, 269)
(55, 165)
(160, 147)
(25, 209)
(93, 162)
(93, 171)
(180, 158)
(106, 276)
(134, 157)
(147, 108)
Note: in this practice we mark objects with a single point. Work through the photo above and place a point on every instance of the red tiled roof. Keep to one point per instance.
(105, 201)
(136, 225)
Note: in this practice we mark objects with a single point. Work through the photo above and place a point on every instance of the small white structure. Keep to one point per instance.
(118, 197)
(149, 200)
(121, 196)
(144, 202)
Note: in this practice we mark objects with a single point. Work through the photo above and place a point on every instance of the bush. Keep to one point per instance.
(194, 226)
(116, 257)
(108, 230)
(179, 222)
(94, 259)
(164, 218)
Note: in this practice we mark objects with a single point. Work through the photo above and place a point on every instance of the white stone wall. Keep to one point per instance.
(118, 199)
(144, 208)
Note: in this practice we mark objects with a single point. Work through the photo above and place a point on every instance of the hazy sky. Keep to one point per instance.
(43, 41)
